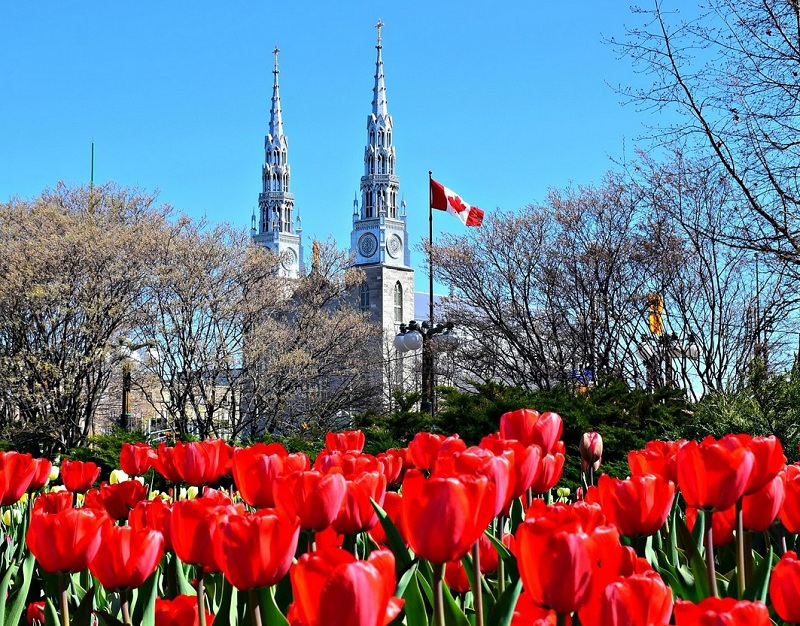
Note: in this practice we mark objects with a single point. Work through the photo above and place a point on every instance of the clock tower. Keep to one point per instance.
(379, 241)
(275, 228)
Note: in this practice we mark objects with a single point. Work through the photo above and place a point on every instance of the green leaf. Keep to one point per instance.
(50, 613)
(5, 583)
(405, 579)
(270, 613)
(453, 615)
(396, 543)
(184, 586)
(108, 620)
(225, 613)
(414, 607)
(83, 614)
(503, 610)
(759, 586)
(695, 561)
(21, 595)
(144, 611)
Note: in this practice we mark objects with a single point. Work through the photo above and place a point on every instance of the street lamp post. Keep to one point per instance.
(412, 337)
(657, 348)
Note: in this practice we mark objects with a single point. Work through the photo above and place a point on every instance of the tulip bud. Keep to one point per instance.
(591, 448)
(54, 473)
(23, 498)
(192, 492)
(7, 517)
(57, 488)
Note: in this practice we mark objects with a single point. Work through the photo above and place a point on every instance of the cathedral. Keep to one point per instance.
(378, 242)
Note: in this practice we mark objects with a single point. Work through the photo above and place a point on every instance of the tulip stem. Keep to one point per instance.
(501, 565)
(255, 607)
(438, 594)
(124, 604)
(201, 600)
(63, 587)
(709, 545)
(476, 587)
(740, 572)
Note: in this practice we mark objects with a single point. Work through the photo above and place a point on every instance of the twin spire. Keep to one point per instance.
(379, 93)
(275, 116)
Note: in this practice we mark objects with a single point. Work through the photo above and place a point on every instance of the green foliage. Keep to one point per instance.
(104, 449)
(625, 418)
(765, 403)
(397, 428)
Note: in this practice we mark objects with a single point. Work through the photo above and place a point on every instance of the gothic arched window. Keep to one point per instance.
(364, 298)
(398, 303)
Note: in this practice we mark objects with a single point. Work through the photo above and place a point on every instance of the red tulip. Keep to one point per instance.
(119, 499)
(591, 449)
(357, 513)
(528, 613)
(784, 587)
(16, 472)
(393, 506)
(761, 508)
(52, 502)
(639, 505)
(180, 611)
(255, 470)
(550, 468)
(768, 459)
(256, 549)
(530, 427)
(200, 462)
(312, 496)
(716, 611)
(156, 515)
(391, 465)
(712, 475)
(527, 462)
(658, 457)
(565, 554)
(423, 450)
(164, 463)
(455, 576)
(127, 557)
(35, 614)
(444, 516)
(345, 441)
(193, 526)
(638, 600)
(482, 462)
(79, 476)
(722, 523)
(66, 541)
(136, 458)
(41, 474)
(790, 511)
(332, 588)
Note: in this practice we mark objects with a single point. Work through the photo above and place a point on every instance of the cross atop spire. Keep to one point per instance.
(379, 93)
(275, 116)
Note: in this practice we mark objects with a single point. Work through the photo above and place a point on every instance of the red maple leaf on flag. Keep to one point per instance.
(457, 203)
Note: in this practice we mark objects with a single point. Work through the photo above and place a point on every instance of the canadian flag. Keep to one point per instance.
(444, 199)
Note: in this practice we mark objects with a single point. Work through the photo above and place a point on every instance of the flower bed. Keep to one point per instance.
(436, 533)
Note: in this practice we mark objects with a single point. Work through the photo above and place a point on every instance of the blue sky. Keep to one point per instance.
(501, 100)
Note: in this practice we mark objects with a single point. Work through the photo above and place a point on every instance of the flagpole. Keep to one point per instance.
(430, 247)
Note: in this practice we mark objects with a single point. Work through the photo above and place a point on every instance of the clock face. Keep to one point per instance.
(394, 246)
(289, 259)
(367, 245)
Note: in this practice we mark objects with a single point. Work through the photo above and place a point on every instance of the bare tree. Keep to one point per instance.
(717, 298)
(731, 72)
(194, 319)
(73, 269)
(555, 291)
(310, 357)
